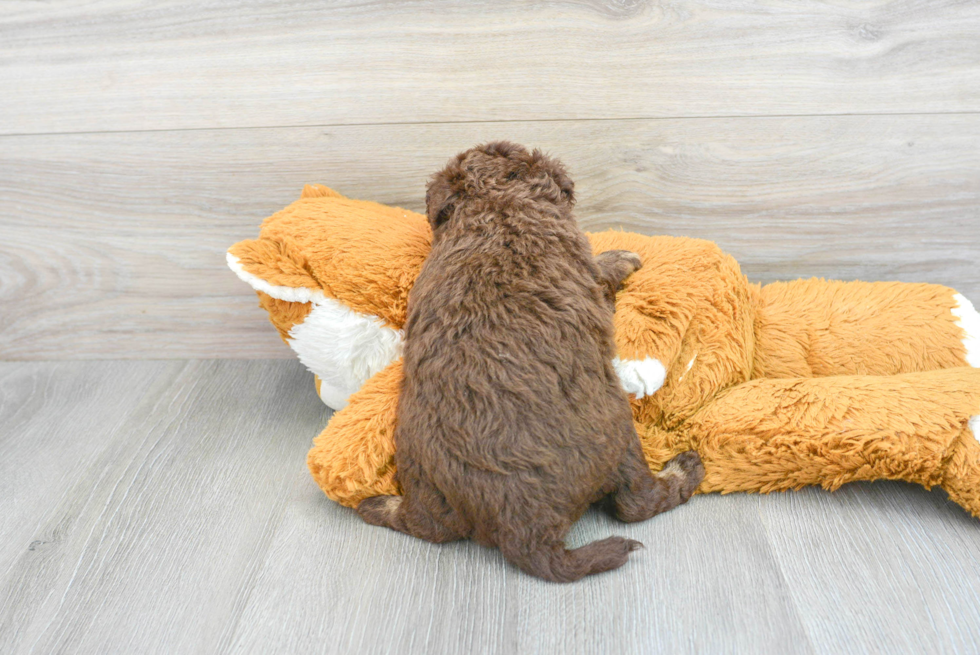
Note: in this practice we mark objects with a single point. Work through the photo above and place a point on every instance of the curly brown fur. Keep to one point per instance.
(511, 419)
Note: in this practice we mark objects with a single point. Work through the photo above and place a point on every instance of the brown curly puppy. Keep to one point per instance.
(511, 419)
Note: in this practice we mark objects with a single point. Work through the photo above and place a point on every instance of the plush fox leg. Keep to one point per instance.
(354, 456)
(961, 479)
(816, 328)
(771, 435)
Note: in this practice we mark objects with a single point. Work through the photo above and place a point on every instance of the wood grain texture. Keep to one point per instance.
(373, 590)
(43, 409)
(114, 243)
(164, 507)
(128, 65)
(888, 555)
(177, 473)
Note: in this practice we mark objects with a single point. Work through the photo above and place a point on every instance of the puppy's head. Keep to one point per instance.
(496, 175)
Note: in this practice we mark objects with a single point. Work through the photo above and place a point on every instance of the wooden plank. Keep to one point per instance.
(706, 582)
(53, 418)
(114, 243)
(61, 424)
(127, 65)
(153, 542)
(879, 568)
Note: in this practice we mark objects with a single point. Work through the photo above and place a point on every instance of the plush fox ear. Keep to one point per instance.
(319, 191)
(269, 266)
(276, 269)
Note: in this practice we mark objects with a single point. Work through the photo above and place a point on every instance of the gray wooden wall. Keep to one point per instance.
(138, 141)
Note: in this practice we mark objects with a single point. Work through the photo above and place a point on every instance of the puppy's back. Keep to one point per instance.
(511, 417)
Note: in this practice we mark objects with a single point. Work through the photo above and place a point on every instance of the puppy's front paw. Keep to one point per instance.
(633, 260)
(623, 260)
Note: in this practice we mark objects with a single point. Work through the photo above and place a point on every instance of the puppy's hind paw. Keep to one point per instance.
(379, 510)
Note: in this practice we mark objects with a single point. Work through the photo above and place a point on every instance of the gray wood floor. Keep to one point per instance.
(164, 506)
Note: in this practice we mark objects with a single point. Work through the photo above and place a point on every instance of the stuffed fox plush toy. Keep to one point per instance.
(777, 386)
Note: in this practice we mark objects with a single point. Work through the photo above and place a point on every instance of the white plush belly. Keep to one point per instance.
(343, 348)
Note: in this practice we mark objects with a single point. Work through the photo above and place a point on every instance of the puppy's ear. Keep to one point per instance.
(440, 200)
(556, 171)
(564, 183)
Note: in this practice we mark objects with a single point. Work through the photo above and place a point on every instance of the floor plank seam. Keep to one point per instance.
(770, 549)
(227, 642)
(592, 119)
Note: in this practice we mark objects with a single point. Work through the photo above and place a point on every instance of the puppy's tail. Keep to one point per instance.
(558, 564)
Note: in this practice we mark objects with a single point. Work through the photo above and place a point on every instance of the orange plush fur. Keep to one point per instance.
(777, 387)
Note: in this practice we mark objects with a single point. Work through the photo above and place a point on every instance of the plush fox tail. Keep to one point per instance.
(558, 564)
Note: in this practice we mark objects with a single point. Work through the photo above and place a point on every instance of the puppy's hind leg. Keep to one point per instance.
(641, 494)
(402, 514)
